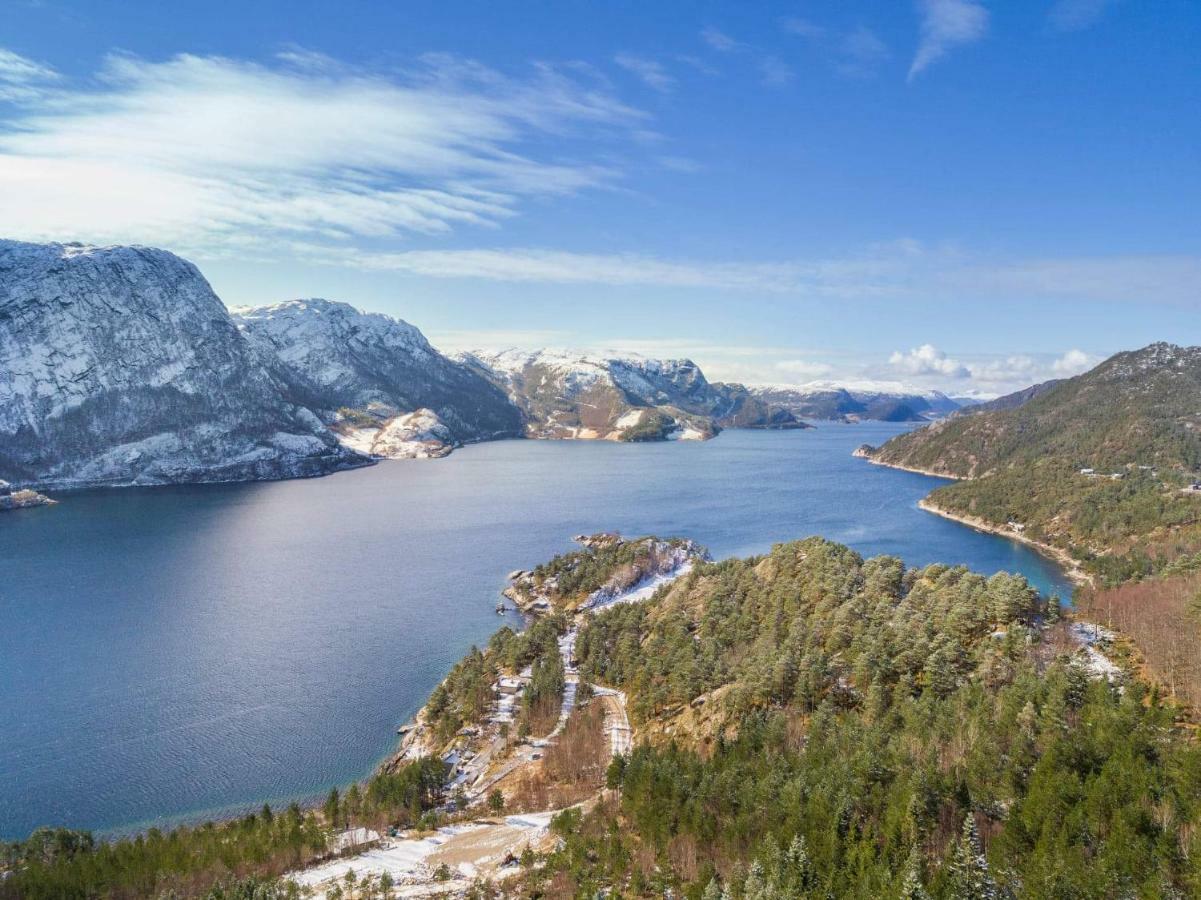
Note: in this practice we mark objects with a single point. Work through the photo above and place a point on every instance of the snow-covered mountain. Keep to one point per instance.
(838, 403)
(359, 371)
(621, 398)
(119, 365)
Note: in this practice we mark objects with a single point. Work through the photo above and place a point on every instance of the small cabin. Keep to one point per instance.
(353, 839)
(1088, 471)
(509, 686)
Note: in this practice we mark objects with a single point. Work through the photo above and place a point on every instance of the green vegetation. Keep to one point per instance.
(1136, 408)
(360, 418)
(1119, 529)
(235, 859)
(1135, 415)
(653, 426)
(466, 695)
(570, 577)
(882, 732)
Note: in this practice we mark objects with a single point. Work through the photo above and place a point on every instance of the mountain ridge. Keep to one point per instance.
(120, 366)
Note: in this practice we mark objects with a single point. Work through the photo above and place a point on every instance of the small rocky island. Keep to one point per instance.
(20, 499)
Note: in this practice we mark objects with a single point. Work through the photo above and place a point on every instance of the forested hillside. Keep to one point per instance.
(808, 724)
(874, 732)
(1141, 408)
(1097, 465)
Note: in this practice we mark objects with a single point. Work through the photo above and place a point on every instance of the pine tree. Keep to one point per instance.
(713, 891)
(755, 886)
(911, 885)
(970, 878)
(800, 867)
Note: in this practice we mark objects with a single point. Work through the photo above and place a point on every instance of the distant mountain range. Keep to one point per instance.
(566, 395)
(120, 366)
(837, 403)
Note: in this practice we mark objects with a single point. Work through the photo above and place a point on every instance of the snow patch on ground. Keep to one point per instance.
(416, 435)
(630, 419)
(1091, 636)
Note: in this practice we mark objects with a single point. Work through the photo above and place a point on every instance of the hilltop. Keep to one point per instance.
(1098, 465)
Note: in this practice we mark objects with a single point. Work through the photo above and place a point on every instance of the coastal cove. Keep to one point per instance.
(176, 653)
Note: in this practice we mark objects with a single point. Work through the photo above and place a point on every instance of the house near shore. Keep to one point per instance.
(353, 839)
(510, 687)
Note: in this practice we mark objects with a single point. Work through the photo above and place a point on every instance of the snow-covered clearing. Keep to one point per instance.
(1090, 636)
(467, 850)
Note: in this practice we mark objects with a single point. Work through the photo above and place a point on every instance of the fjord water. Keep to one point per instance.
(171, 653)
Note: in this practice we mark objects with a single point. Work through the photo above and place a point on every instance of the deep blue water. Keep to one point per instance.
(172, 652)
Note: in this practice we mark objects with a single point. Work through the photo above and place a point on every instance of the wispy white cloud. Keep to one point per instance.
(861, 52)
(1076, 15)
(775, 72)
(652, 73)
(22, 79)
(558, 267)
(899, 270)
(947, 24)
(928, 360)
(201, 153)
(856, 53)
(803, 369)
(720, 41)
(17, 69)
(803, 28)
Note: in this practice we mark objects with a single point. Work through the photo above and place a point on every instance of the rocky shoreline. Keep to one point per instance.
(865, 451)
(1065, 560)
(1071, 567)
(21, 499)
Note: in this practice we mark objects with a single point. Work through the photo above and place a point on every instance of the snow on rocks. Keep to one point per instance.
(119, 366)
(415, 435)
(1092, 638)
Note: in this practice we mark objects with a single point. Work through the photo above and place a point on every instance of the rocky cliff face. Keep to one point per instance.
(120, 366)
(361, 371)
(567, 395)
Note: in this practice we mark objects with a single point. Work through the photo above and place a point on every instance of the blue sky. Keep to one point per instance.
(959, 194)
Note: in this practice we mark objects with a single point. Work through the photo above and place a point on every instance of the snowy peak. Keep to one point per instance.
(563, 394)
(828, 400)
(119, 365)
(338, 361)
(320, 325)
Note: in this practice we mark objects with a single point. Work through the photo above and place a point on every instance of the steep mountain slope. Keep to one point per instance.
(120, 366)
(1096, 465)
(1008, 401)
(362, 370)
(566, 395)
(843, 404)
(1141, 407)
